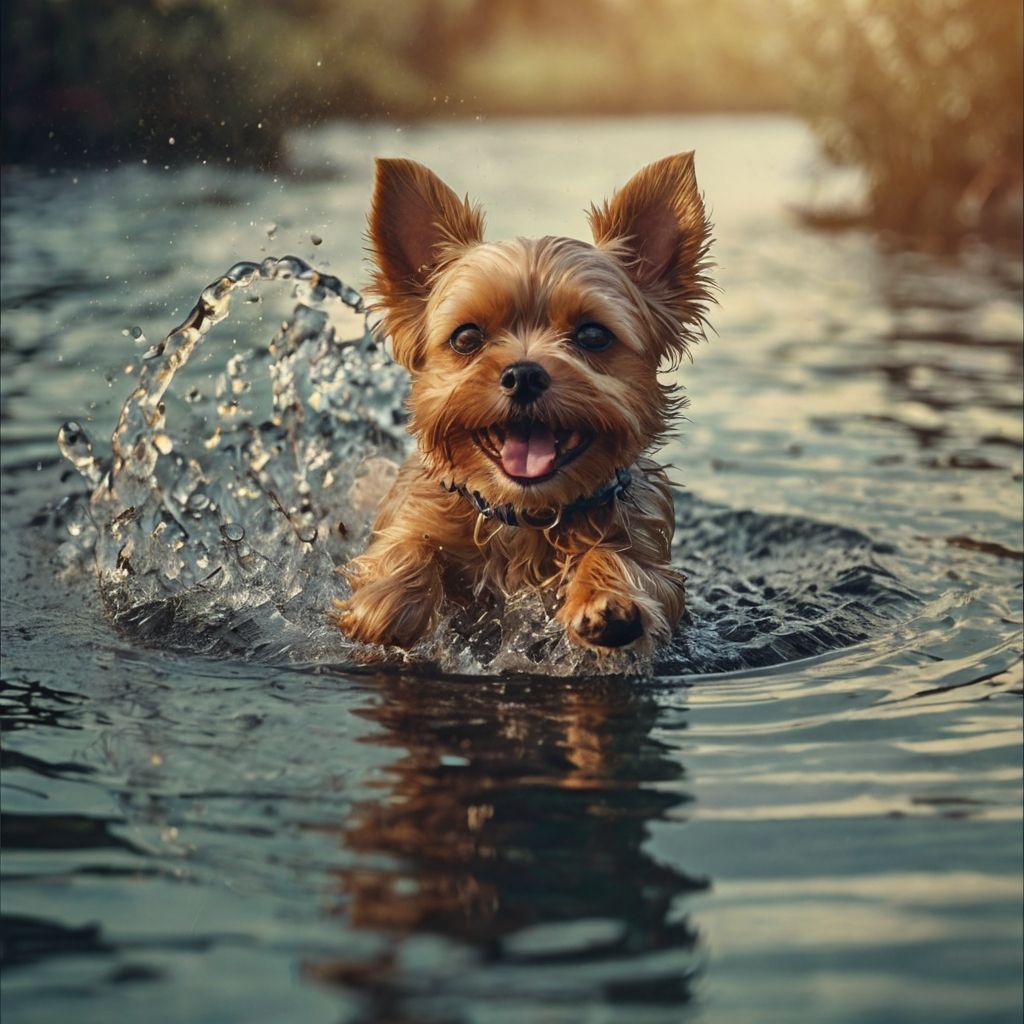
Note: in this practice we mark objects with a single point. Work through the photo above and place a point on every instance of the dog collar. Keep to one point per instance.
(507, 515)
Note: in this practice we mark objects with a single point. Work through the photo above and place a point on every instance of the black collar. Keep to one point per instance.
(507, 514)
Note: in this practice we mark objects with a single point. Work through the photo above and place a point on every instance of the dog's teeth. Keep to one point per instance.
(498, 434)
(573, 440)
(487, 436)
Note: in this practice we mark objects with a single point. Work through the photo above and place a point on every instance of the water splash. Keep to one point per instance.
(221, 532)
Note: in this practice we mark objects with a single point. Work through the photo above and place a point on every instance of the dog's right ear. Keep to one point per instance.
(417, 225)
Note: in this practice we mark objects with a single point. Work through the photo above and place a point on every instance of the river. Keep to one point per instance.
(808, 810)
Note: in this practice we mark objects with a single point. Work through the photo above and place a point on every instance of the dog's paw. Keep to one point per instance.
(603, 621)
(381, 613)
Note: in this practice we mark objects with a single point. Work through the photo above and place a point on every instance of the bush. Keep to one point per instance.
(925, 96)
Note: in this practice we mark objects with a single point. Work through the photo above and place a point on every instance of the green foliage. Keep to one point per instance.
(223, 78)
(87, 79)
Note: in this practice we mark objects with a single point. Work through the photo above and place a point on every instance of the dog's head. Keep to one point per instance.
(535, 362)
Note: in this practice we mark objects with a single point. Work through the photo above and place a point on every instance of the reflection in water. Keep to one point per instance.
(514, 823)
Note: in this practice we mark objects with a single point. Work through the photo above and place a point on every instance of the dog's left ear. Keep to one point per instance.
(656, 223)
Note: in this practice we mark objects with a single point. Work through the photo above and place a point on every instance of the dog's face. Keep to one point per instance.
(535, 362)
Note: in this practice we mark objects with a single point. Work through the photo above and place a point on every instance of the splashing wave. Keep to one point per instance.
(221, 532)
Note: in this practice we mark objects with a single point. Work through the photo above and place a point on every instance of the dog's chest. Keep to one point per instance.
(507, 559)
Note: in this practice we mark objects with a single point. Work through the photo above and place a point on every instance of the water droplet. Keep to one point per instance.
(233, 532)
(307, 534)
(76, 446)
(316, 239)
(270, 229)
(77, 521)
(170, 141)
(72, 433)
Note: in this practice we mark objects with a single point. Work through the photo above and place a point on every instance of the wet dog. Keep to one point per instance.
(535, 402)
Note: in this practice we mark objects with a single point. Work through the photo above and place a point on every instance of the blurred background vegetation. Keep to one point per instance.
(927, 96)
(924, 95)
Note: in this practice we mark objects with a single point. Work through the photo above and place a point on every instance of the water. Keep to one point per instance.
(215, 809)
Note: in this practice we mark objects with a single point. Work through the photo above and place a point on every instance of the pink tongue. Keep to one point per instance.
(528, 452)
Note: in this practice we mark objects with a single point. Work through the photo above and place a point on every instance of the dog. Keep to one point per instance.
(536, 403)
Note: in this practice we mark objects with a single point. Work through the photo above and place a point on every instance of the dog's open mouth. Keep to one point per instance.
(530, 452)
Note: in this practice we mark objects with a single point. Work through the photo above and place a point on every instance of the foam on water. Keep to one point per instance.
(218, 520)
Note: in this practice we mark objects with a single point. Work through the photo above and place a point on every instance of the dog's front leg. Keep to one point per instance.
(612, 600)
(396, 590)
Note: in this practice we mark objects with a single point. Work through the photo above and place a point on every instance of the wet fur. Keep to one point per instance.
(645, 279)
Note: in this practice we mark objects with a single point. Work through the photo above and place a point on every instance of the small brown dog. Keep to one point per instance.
(535, 400)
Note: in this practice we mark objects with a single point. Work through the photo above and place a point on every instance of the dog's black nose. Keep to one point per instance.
(524, 382)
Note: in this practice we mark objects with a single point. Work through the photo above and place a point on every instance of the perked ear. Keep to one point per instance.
(416, 225)
(657, 223)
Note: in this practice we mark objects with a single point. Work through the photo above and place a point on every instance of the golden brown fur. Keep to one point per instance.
(643, 280)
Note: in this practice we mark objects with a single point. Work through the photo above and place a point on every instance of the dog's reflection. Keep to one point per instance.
(518, 804)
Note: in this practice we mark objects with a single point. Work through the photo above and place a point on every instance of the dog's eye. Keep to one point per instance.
(466, 339)
(593, 337)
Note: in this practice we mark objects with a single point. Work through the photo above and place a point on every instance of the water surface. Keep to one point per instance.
(809, 810)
